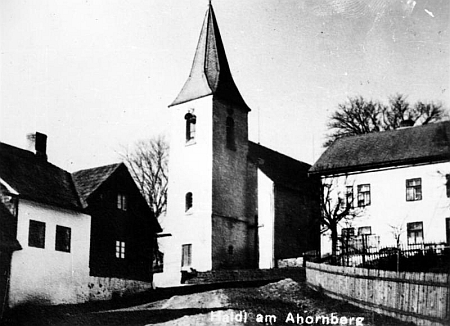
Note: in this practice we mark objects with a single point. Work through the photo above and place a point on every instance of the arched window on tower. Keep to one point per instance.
(190, 126)
(230, 134)
(188, 202)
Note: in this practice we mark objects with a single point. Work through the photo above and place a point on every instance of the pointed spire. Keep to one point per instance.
(210, 73)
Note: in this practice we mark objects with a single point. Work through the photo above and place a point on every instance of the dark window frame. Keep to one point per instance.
(364, 197)
(447, 185)
(415, 232)
(63, 238)
(188, 202)
(349, 196)
(186, 255)
(414, 189)
(36, 234)
(191, 121)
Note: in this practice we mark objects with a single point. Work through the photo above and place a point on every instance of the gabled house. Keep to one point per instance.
(232, 204)
(123, 228)
(400, 182)
(47, 221)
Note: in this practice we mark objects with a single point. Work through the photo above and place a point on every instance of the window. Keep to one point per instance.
(230, 133)
(230, 250)
(414, 189)
(10, 201)
(349, 195)
(36, 235)
(186, 255)
(348, 233)
(188, 201)
(447, 229)
(447, 184)
(121, 202)
(191, 120)
(62, 238)
(120, 249)
(415, 232)
(365, 230)
(363, 195)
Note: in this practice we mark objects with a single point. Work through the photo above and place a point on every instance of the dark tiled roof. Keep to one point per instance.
(281, 169)
(421, 144)
(8, 227)
(36, 179)
(210, 72)
(87, 181)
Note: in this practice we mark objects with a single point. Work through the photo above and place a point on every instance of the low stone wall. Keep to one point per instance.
(106, 288)
(421, 298)
(297, 274)
(290, 262)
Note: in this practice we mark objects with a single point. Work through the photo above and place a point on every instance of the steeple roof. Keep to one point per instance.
(210, 73)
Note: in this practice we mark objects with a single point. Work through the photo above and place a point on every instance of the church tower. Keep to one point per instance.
(211, 211)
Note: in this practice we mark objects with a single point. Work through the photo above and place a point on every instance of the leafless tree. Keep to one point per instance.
(359, 116)
(148, 165)
(335, 208)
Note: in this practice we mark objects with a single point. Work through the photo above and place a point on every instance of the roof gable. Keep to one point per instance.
(281, 169)
(89, 180)
(421, 144)
(36, 179)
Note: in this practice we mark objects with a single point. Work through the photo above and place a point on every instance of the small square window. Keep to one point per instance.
(414, 189)
(121, 202)
(36, 234)
(63, 235)
(120, 249)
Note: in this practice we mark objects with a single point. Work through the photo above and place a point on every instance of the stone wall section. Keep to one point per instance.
(275, 274)
(107, 288)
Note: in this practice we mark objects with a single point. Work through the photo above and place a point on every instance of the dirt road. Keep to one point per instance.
(281, 303)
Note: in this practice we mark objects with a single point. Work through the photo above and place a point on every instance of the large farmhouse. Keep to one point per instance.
(398, 180)
(232, 204)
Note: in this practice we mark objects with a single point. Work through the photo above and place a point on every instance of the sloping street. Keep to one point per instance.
(285, 302)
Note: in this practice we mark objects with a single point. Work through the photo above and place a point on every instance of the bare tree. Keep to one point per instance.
(148, 165)
(359, 116)
(335, 208)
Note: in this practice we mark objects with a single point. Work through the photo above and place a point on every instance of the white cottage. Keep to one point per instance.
(52, 265)
(398, 181)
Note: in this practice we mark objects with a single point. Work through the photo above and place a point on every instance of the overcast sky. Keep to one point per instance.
(95, 75)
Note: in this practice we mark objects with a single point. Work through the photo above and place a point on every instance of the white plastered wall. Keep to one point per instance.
(266, 215)
(389, 208)
(44, 275)
(190, 170)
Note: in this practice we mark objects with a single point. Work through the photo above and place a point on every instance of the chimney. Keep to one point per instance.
(37, 143)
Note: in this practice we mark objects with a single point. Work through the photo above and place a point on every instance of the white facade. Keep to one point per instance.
(389, 211)
(266, 221)
(45, 275)
(190, 171)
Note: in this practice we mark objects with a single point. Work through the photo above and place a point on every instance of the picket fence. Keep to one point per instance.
(421, 298)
